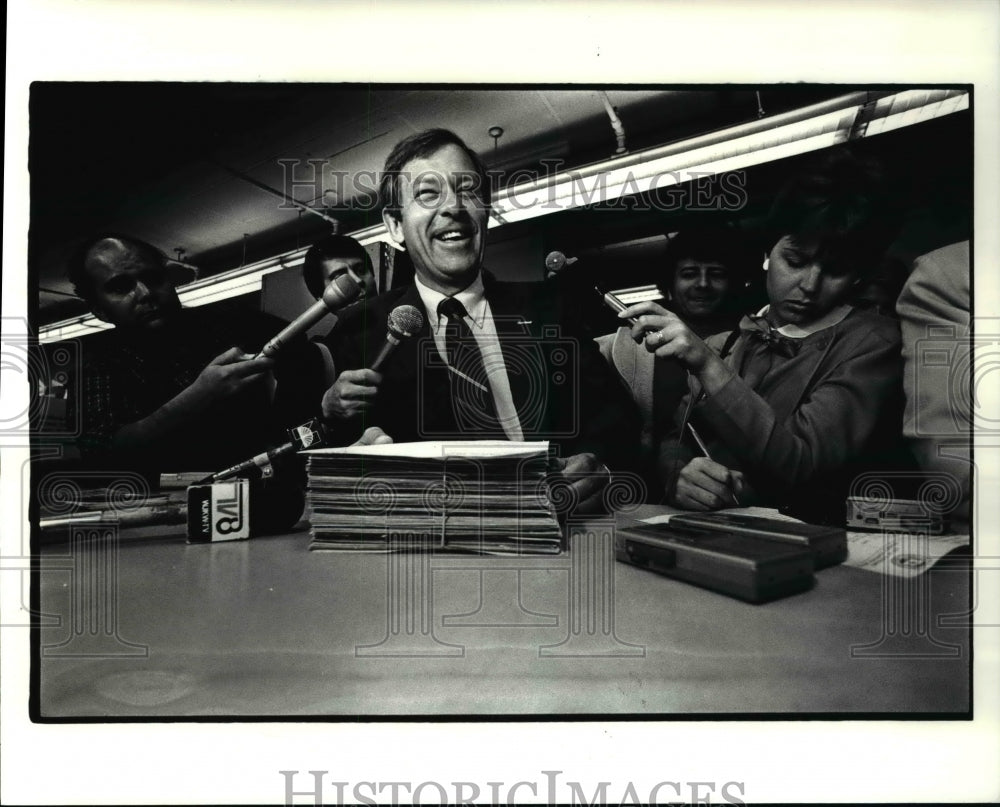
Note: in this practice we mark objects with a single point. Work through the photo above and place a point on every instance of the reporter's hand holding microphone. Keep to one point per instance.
(227, 374)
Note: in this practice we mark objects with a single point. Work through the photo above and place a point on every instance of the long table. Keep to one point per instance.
(151, 626)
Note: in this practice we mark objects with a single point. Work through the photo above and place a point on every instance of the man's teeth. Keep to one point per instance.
(453, 236)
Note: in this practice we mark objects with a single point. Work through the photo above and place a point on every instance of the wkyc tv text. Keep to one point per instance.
(314, 787)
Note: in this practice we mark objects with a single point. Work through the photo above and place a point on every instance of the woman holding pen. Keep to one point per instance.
(786, 409)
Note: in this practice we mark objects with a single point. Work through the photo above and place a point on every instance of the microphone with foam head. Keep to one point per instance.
(555, 262)
(343, 289)
(404, 322)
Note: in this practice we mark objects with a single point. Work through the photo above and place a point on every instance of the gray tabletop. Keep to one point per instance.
(152, 626)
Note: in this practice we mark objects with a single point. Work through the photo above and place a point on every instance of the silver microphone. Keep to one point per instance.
(404, 321)
(343, 289)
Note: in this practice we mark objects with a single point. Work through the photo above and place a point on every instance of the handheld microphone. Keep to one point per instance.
(555, 262)
(310, 434)
(404, 321)
(342, 290)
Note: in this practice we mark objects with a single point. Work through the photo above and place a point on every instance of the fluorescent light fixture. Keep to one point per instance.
(372, 235)
(653, 175)
(914, 106)
(72, 328)
(766, 140)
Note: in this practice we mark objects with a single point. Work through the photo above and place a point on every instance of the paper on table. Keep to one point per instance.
(760, 512)
(899, 554)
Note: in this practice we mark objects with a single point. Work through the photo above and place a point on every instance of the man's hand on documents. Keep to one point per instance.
(373, 436)
(587, 477)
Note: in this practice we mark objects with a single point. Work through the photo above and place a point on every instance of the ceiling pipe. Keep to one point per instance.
(899, 109)
(616, 123)
(279, 194)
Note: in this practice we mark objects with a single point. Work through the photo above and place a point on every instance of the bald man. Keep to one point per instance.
(177, 389)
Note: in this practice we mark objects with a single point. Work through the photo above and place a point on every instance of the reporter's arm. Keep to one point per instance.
(225, 376)
(835, 422)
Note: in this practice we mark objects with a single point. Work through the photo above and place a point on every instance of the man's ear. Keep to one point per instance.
(394, 225)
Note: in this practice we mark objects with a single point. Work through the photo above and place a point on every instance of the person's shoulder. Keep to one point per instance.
(259, 321)
(364, 314)
(623, 352)
(716, 340)
(219, 328)
(620, 339)
(952, 255)
(942, 274)
(868, 326)
(222, 315)
(104, 346)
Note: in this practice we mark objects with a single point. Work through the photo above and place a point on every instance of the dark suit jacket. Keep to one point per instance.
(561, 387)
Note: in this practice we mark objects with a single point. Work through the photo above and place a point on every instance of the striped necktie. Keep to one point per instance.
(471, 394)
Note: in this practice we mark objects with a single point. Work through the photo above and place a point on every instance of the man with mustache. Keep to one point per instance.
(175, 389)
(703, 286)
(331, 257)
(703, 282)
(488, 361)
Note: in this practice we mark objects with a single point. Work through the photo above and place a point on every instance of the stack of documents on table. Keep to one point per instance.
(486, 496)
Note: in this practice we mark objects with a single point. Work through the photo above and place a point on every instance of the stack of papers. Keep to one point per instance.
(486, 496)
(126, 504)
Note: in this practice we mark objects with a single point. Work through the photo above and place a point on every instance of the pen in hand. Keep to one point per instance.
(704, 450)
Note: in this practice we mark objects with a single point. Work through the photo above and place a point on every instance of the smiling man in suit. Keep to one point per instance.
(491, 360)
